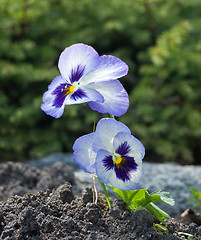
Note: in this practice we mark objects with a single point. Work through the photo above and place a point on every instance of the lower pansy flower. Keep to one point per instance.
(87, 77)
(112, 153)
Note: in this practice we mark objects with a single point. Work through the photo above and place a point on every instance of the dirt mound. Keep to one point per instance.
(58, 214)
(20, 178)
(45, 207)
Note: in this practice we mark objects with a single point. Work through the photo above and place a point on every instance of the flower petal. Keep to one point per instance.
(52, 110)
(116, 100)
(136, 148)
(106, 130)
(108, 175)
(48, 96)
(124, 169)
(83, 154)
(56, 98)
(82, 95)
(76, 61)
(103, 172)
(52, 105)
(109, 68)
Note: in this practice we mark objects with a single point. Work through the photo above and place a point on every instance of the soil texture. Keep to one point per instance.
(58, 213)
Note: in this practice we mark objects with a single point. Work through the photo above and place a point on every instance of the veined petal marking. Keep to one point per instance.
(122, 166)
(60, 95)
(63, 90)
(76, 74)
(123, 149)
(78, 94)
(108, 162)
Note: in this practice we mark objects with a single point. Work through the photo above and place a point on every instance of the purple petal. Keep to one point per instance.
(109, 68)
(76, 61)
(47, 96)
(83, 154)
(123, 148)
(60, 95)
(108, 162)
(136, 148)
(104, 169)
(116, 100)
(124, 179)
(123, 171)
(53, 101)
(77, 73)
(106, 130)
(78, 94)
(52, 111)
(82, 95)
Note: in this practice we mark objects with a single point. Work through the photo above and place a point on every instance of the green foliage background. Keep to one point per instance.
(159, 40)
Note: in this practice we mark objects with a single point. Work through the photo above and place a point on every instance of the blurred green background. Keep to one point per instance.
(159, 40)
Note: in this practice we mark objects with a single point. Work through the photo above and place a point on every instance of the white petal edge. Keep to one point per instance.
(116, 101)
(52, 110)
(137, 150)
(77, 55)
(106, 130)
(83, 153)
(109, 68)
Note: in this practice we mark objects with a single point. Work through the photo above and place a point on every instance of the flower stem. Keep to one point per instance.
(106, 194)
(94, 127)
(95, 193)
(112, 116)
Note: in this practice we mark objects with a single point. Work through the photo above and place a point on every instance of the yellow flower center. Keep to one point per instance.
(69, 89)
(119, 161)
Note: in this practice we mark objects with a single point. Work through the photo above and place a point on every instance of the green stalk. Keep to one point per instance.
(106, 194)
(94, 127)
(112, 116)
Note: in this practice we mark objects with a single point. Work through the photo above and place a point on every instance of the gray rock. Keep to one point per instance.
(175, 179)
(48, 160)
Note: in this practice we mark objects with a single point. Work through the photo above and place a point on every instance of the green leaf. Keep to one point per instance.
(195, 192)
(159, 196)
(143, 199)
(157, 212)
(136, 197)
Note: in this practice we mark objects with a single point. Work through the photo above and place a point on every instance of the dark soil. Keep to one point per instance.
(59, 214)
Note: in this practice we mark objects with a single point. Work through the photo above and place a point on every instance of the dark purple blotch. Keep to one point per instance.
(78, 94)
(123, 149)
(128, 164)
(60, 95)
(76, 73)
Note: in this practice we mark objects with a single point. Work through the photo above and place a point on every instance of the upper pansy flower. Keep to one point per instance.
(112, 153)
(87, 77)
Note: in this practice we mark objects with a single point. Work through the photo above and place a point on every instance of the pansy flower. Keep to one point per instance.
(112, 153)
(87, 77)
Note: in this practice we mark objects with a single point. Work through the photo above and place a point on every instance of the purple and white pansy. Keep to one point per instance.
(87, 77)
(112, 153)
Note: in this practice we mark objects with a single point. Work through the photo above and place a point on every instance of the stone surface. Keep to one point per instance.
(175, 179)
